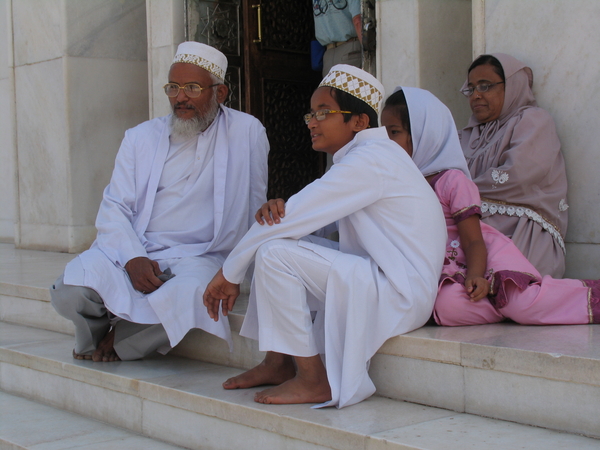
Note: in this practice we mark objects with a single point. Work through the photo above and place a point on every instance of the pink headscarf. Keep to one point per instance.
(516, 159)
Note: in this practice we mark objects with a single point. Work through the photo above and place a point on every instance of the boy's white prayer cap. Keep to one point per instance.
(356, 82)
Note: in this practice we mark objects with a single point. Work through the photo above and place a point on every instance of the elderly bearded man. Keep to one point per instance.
(184, 191)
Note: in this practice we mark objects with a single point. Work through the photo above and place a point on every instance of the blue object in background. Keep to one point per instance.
(316, 55)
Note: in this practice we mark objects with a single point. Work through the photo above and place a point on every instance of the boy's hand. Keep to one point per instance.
(220, 291)
(271, 212)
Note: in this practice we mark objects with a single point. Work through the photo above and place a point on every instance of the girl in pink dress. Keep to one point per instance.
(485, 278)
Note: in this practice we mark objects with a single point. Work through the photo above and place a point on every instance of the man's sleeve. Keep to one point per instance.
(116, 236)
(354, 7)
(259, 152)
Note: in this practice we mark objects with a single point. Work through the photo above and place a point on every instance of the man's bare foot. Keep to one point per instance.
(294, 391)
(106, 351)
(274, 369)
(80, 357)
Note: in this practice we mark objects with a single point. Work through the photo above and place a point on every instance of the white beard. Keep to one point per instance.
(185, 129)
(189, 128)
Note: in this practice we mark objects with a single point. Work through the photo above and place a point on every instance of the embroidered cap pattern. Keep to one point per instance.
(200, 62)
(354, 86)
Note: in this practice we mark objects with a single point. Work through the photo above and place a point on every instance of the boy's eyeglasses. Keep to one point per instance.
(321, 114)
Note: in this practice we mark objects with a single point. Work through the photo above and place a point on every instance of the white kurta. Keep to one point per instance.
(240, 184)
(389, 216)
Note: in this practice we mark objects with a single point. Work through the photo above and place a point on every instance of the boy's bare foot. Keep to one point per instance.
(80, 357)
(294, 391)
(106, 351)
(310, 385)
(274, 369)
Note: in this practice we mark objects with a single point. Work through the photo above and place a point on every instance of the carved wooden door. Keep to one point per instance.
(278, 84)
(267, 43)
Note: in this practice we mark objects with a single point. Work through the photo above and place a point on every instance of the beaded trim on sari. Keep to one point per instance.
(506, 209)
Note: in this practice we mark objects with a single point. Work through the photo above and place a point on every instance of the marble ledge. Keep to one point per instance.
(61, 429)
(549, 352)
(460, 432)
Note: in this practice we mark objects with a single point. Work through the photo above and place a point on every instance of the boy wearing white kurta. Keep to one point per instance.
(380, 282)
(184, 191)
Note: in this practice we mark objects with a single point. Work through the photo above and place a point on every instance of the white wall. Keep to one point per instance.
(166, 30)
(426, 44)
(560, 41)
(80, 81)
(7, 126)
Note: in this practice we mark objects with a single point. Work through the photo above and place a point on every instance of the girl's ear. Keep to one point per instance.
(361, 122)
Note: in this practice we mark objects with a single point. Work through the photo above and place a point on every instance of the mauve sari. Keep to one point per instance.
(516, 163)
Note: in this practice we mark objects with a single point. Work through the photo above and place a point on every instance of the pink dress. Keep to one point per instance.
(518, 291)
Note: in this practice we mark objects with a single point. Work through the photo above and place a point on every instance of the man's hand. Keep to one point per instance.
(143, 273)
(271, 212)
(477, 288)
(219, 290)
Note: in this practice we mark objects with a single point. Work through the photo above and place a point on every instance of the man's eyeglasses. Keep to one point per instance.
(321, 114)
(483, 87)
(192, 90)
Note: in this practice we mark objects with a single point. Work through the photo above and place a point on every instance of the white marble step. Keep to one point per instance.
(181, 401)
(543, 376)
(28, 425)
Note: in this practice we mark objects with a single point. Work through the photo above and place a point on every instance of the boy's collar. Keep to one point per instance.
(361, 136)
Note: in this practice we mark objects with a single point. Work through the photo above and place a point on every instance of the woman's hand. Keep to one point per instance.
(477, 287)
(271, 212)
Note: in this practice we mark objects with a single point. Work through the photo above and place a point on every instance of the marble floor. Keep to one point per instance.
(31, 267)
(56, 429)
(179, 400)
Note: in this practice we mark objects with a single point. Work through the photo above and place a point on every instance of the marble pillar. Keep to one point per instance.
(166, 30)
(426, 44)
(560, 41)
(80, 80)
(7, 126)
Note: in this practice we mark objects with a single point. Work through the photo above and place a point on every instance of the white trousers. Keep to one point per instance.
(290, 281)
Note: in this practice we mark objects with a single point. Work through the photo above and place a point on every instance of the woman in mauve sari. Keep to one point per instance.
(513, 154)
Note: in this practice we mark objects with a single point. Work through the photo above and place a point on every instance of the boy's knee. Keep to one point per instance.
(270, 250)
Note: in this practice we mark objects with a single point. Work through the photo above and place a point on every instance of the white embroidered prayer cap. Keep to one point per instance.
(356, 82)
(202, 55)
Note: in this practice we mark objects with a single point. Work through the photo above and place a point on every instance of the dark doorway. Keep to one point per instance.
(267, 43)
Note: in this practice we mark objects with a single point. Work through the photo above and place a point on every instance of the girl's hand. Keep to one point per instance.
(271, 212)
(477, 287)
